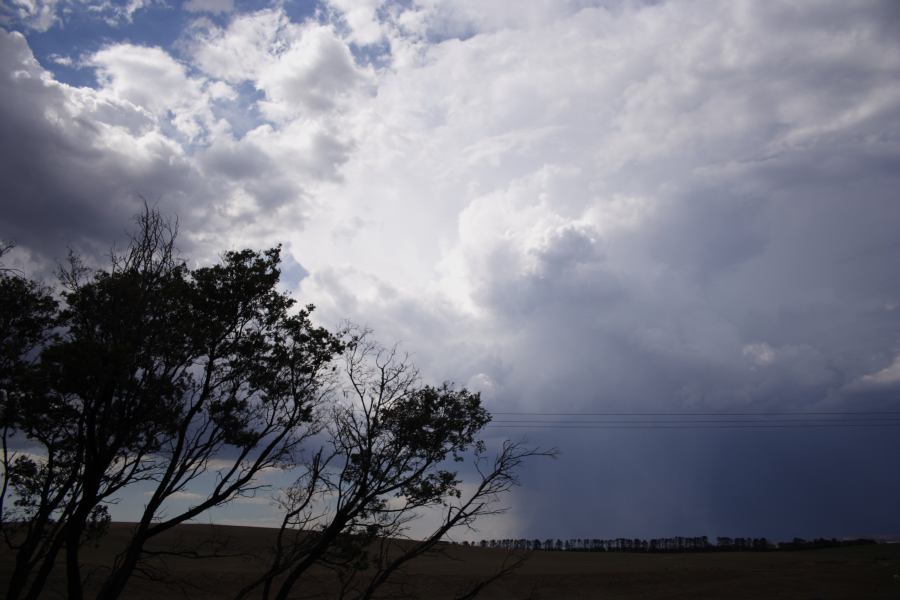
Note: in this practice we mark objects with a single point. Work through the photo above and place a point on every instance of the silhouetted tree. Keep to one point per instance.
(147, 371)
(150, 372)
(39, 487)
(391, 443)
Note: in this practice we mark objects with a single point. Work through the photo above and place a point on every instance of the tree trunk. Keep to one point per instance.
(19, 577)
(118, 579)
(18, 583)
(72, 534)
(328, 536)
(37, 585)
(73, 566)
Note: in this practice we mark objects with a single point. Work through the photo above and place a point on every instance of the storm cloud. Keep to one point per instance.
(572, 207)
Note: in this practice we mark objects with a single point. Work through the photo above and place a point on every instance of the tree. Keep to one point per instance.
(27, 313)
(154, 371)
(151, 372)
(392, 443)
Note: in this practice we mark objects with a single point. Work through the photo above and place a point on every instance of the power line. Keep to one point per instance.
(798, 425)
(698, 414)
(810, 419)
(705, 421)
(692, 421)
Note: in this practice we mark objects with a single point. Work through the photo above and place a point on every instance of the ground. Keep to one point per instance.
(852, 573)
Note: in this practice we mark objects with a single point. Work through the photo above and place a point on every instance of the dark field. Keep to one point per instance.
(856, 573)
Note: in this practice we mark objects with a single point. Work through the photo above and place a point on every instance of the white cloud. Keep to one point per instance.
(151, 79)
(886, 378)
(362, 19)
(242, 49)
(41, 15)
(601, 177)
(314, 74)
(115, 13)
(302, 70)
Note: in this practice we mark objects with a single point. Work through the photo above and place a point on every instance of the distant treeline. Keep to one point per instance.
(670, 544)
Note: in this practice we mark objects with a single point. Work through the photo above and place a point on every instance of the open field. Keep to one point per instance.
(862, 572)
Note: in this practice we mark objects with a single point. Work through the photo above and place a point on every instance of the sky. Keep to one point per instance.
(571, 206)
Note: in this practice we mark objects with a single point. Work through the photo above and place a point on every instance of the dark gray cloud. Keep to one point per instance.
(74, 164)
(777, 484)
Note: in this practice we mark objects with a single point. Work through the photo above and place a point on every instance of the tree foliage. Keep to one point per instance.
(149, 372)
(392, 450)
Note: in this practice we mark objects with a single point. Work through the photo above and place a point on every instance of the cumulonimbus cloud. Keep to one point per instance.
(571, 206)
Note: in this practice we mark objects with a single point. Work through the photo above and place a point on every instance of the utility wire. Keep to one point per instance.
(698, 414)
(835, 425)
(693, 421)
(697, 420)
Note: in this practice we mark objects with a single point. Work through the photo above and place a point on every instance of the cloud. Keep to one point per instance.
(240, 50)
(574, 205)
(74, 159)
(312, 75)
(631, 208)
(185, 496)
(151, 79)
(639, 186)
(887, 378)
(41, 15)
(157, 129)
(362, 20)
(300, 69)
